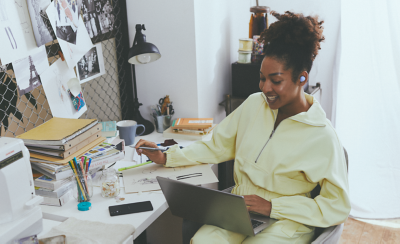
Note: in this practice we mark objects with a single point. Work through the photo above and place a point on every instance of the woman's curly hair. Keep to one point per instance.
(293, 39)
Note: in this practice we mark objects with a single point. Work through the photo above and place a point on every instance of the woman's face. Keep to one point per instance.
(277, 85)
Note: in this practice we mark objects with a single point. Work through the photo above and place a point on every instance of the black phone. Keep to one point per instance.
(130, 208)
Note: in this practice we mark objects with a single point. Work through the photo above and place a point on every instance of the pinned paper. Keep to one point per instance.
(91, 65)
(75, 92)
(28, 70)
(16, 35)
(72, 53)
(57, 81)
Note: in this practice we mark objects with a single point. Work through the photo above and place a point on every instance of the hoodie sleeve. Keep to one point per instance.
(219, 149)
(332, 206)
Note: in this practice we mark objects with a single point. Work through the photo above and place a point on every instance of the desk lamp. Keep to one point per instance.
(141, 52)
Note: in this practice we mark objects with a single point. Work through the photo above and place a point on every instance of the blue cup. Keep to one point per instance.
(127, 131)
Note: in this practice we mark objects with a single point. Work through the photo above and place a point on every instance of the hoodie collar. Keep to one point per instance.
(315, 115)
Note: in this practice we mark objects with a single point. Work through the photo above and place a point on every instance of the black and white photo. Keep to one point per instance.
(43, 33)
(99, 19)
(91, 65)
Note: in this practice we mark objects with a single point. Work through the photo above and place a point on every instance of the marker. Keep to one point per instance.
(134, 166)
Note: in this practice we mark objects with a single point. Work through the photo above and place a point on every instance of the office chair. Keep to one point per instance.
(330, 235)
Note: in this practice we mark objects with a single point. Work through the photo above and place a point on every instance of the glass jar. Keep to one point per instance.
(109, 183)
(82, 189)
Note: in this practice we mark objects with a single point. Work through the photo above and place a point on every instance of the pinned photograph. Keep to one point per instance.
(67, 34)
(40, 24)
(27, 70)
(63, 91)
(15, 31)
(91, 65)
(67, 19)
(99, 19)
(72, 53)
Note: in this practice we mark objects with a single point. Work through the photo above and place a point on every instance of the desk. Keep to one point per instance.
(99, 211)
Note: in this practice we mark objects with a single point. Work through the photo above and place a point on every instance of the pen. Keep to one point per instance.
(134, 166)
(152, 149)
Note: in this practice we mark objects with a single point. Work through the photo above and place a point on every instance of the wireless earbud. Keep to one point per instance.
(302, 78)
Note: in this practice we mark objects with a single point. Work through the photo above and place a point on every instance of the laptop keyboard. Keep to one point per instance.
(256, 223)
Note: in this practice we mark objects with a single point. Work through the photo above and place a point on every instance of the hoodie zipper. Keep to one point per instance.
(270, 136)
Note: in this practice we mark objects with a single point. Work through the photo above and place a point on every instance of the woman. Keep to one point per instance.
(282, 144)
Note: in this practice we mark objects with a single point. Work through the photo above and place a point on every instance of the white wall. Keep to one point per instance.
(329, 11)
(169, 26)
(218, 27)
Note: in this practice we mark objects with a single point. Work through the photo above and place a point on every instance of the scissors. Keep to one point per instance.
(169, 105)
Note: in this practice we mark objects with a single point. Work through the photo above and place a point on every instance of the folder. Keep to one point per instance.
(57, 131)
(80, 152)
(71, 143)
(67, 153)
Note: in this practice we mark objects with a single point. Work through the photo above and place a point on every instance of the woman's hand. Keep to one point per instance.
(258, 204)
(156, 156)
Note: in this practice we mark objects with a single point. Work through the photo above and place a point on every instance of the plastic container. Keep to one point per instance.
(246, 44)
(244, 57)
(258, 47)
(109, 183)
(82, 190)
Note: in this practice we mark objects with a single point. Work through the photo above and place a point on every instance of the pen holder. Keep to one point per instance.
(82, 190)
(162, 122)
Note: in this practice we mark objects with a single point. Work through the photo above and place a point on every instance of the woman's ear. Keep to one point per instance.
(303, 78)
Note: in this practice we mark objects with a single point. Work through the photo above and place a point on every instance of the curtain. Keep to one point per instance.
(367, 115)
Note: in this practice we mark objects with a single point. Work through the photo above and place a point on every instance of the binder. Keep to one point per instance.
(69, 152)
(49, 159)
(72, 143)
(57, 131)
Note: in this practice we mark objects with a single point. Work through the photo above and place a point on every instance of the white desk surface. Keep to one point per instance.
(99, 211)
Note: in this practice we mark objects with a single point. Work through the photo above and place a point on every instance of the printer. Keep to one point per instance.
(20, 214)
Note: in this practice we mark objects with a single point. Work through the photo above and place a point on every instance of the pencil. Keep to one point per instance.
(77, 177)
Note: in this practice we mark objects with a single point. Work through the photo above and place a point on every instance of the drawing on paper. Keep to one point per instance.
(5, 22)
(154, 170)
(40, 23)
(27, 70)
(55, 83)
(24, 22)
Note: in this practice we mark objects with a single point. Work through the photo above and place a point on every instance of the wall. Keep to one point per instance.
(170, 26)
(218, 27)
(323, 66)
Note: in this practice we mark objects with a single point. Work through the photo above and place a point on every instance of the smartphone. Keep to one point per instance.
(136, 207)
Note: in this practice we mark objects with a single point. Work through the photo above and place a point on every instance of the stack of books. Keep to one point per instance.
(56, 142)
(54, 192)
(190, 128)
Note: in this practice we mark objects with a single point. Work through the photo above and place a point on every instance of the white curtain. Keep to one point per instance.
(368, 104)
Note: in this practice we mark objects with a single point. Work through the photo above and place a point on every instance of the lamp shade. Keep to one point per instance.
(142, 52)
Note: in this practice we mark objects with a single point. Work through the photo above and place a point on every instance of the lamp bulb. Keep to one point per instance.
(143, 58)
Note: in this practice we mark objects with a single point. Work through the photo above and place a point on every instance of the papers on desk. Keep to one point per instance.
(144, 178)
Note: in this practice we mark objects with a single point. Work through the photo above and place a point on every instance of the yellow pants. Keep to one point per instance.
(283, 231)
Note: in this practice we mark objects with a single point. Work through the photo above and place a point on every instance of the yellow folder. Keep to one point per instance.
(57, 131)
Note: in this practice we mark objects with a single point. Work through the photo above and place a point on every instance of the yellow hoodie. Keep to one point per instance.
(281, 166)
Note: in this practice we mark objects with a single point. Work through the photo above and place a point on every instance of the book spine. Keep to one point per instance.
(58, 201)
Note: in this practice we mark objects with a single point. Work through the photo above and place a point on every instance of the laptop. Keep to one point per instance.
(212, 207)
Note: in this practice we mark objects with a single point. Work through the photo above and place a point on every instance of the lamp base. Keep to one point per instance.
(149, 127)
